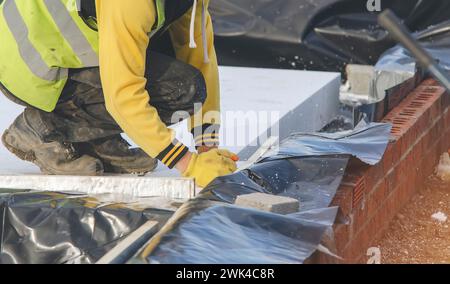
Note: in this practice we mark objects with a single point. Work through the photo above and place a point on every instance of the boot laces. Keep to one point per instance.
(70, 151)
(122, 144)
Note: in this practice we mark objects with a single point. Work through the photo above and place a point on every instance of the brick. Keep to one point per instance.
(401, 195)
(360, 217)
(447, 118)
(359, 192)
(373, 177)
(403, 170)
(444, 144)
(396, 153)
(377, 226)
(440, 127)
(427, 142)
(410, 167)
(434, 132)
(359, 246)
(421, 132)
(376, 199)
(425, 120)
(343, 199)
(388, 161)
(393, 204)
(405, 146)
(342, 237)
(392, 179)
(418, 151)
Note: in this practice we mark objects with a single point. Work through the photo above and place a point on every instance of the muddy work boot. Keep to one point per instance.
(118, 157)
(27, 138)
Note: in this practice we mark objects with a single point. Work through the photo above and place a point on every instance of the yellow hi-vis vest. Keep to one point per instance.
(40, 40)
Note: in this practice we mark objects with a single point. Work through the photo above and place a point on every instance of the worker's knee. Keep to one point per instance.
(189, 85)
(181, 95)
(181, 87)
(198, 88)
(10, 96)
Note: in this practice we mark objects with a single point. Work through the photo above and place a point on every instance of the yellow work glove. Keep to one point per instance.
(205, 167)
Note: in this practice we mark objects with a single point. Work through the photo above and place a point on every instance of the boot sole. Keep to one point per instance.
(25, 156)
(112, 167)
(31, 157)
(118, 170)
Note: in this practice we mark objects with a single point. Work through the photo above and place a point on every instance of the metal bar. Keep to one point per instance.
(400, 33)
(170, 187)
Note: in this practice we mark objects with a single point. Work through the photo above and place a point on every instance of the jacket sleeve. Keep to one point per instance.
(205, 128)
(123, 41)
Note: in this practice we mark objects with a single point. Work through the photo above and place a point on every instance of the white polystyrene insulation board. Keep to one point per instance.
(301, 100)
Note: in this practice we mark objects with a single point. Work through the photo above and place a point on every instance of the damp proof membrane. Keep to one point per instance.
(58, 228)
(320, 35)
(366, 142)
(209, 232)
(210, 229)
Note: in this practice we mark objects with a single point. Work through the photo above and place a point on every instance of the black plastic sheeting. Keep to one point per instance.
(367, 142)
(397, 72)
(52, 227)
(57, 228)
(210, 229)
(314, 35)
(435, 39)
(307, 167)
(312, 180)
(215, 234)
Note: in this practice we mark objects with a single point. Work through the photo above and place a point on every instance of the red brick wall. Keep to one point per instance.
(371, 196)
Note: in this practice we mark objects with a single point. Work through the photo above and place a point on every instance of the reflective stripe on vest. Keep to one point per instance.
(72, 33)
(161, 16)
(29, 54)
(40, 41)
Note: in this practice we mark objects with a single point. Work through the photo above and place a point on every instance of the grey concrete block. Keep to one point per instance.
(361, 78)
(270, 203)
(366, 80)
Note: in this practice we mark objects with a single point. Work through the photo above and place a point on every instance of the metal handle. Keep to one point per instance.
(400, 33)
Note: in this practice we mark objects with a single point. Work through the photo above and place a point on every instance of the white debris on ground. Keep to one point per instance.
(440, 217)
(443, 169)
(420, 233)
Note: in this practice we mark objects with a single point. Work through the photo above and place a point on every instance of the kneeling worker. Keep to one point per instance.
(89, 70)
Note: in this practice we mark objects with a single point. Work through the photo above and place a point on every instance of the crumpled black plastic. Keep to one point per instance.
(56, 228)
(52, 227)
(307, 167)
(435, 39)
(311, 180)
(397, 72)
(206, 232)
(209, 229)
(314, 35)
(367, 142)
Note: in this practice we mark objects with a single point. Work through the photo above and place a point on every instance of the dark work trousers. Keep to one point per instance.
(81, 115)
